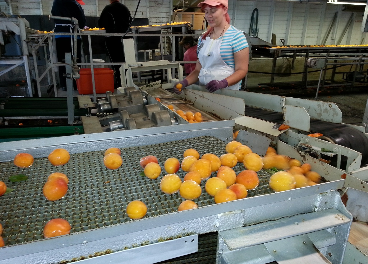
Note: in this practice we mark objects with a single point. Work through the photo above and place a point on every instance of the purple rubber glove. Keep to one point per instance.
(215, 85)
(177, 90)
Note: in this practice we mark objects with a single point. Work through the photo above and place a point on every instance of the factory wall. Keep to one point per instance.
(288, 22)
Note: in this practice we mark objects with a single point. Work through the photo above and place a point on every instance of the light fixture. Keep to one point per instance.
(336, 2)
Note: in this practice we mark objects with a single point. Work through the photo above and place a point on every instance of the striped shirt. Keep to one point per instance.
(232, 42)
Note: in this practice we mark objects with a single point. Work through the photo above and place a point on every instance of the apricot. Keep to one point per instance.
(198, 117)
(194, 176)
(226, 174)
(136, 209)
(295, 170)
(55, 189)
(240, 190)
(306, 167)
(113, 150)
(113, 161)
(313, 176)
(191, 152)
(152, 170)
(170, 183)
(180, 112)
(187, 162)
(23, 160)
(269, 161)
(172, 165)
(231, 146)
(311, 183)
(282, 162)
(179, 86)
(190, 190)
(241, 151)
(294, 162)
(56, 227)
(2, 188)
(213, 185)
(235, 134)
(300, 180)
(147, 159)
(59, 157)
(171, 107)
(282, 181)
(187, 205)
(203, 167)
(248, 178)
(190, 115)
(225, 195)
(253, 161)
(2, 243)
(1, 229)
(270, 150)
(215, 161)
(58, 175)
(228, 159)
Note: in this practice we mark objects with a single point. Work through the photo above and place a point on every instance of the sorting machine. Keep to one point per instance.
(309, 223)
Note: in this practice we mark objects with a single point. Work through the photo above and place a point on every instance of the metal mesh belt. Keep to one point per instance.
(97, 197)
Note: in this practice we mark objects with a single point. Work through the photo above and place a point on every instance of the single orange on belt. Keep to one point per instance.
(1, 229)
(55, 189)
(56, 227)
(58, 175)
(59, 157)
(113, 150)
(187, 205)
(113, 161)
(2, 188)
(136, 209)
(2, 243)
(23, 160)
(170, 183)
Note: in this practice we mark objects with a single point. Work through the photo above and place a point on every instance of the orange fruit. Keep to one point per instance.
(248, 178)
(215, 161)
(171, 107)
(240, 190)
(2, 243)
(56, 227)
(55, 189)
(228, 159)
(241, 151)
(306, 167)
(187, 205)
(170, 183)
(136, 209)
(226, 174)
(270, 150)
(311, 183)
(191, 152)
(180, 112)
(58, 175)
(296, 170)
(152, 170)
(281, 162)
(59, 157)
(172, 165)
(190, 115)
(294, 162)
(113, 161)
(2, 188)
(269, 161)
(1, 229)
(300, 180)
(235, 134)
(198, 117)
(147, 159)
(179, 86)
(188, 162)
(190, 190)
(23, 160)
(203, 167)
(253, 161)
(113, 150)
(225, 195)
(282, 181)
(231, 146)
(213, 185)
(313, 176)
(194, 176)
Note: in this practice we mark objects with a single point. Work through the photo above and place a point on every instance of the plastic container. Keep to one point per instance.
(104, 81)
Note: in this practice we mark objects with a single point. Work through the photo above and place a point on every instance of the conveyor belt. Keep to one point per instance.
(97, 197)
(340, 134)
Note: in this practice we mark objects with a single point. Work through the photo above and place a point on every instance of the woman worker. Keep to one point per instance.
(223, 52)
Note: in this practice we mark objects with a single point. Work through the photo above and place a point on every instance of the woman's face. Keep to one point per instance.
(215, 15)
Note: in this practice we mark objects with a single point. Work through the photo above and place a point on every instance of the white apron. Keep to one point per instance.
(213, 66)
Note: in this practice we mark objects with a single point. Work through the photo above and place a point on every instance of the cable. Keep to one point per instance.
(253, 28)
(131, 21)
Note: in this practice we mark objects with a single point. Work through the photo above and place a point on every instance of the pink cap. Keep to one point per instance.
(214, 3)
(80, 2)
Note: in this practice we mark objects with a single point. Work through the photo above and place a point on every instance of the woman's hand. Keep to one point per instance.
(215, 85)
(179, 86)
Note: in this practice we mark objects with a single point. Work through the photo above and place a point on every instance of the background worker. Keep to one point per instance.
(115, 18)
(223, 51)
(190, 53)
(64, 43)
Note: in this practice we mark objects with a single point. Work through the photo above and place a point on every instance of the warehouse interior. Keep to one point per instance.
(82, 147)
